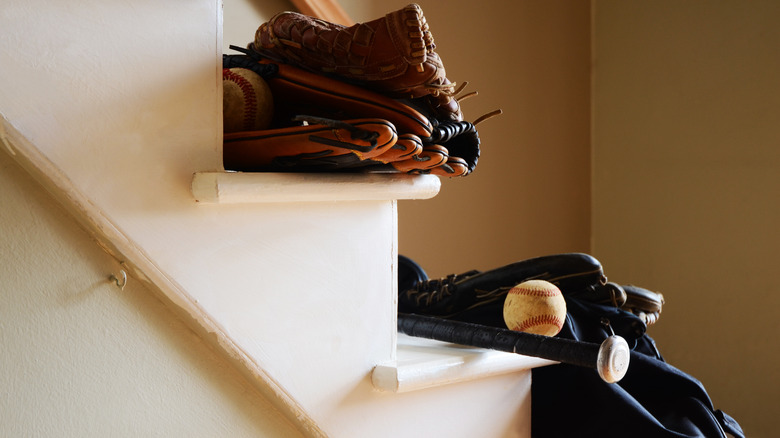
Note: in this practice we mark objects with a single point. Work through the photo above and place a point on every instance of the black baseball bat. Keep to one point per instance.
(610, 358)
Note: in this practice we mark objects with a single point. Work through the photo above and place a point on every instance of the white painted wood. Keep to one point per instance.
(240, 187)
(116, 116)
(301, 297)
(83, 358)
(423, 363)
(145, 269)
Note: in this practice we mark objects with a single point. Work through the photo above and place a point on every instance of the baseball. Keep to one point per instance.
(535, 306)
(247, 102)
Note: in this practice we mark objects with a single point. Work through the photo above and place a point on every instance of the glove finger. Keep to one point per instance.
(406, 147)
(639, 299)
(432, 156)
(455, 166)
(297, 91)
(440, 106)
(461, 140)
(307, 146)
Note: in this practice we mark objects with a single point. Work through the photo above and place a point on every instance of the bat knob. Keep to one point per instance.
(613, 358)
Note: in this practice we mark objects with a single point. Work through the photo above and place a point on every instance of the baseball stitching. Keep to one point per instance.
(249, 96)
(540, 320)
(534, 292)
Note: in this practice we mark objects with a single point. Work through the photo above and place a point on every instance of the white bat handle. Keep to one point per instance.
(613, 358)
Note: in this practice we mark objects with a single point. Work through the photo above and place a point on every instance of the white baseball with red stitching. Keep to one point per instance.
(535, 306)
(247, 102)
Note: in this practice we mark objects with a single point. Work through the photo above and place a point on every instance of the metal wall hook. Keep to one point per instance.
(120, 281)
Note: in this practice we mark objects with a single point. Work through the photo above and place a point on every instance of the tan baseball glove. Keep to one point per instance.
(393, 55)
(304, 101)
(327, 76)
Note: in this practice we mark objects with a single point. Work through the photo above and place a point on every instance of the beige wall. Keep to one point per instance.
(530, 193)
(687, 184)
(686, 165)
(82, 358)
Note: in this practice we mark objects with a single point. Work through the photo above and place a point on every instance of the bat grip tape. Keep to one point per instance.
(584, 354)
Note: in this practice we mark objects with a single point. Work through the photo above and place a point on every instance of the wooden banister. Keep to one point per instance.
(328, 10)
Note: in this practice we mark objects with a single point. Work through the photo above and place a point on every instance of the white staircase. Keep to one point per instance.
(291, 277)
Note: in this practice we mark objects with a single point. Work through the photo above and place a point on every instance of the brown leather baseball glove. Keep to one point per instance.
(644, 303)
(393, 55)
(478, 296)
(305, 102)
(327, 74)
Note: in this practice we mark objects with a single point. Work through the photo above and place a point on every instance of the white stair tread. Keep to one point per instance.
(248, 187)
(423, 363)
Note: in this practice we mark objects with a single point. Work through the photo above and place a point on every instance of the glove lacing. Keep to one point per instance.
(429, 292)
(249, 62)
(354, 132)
